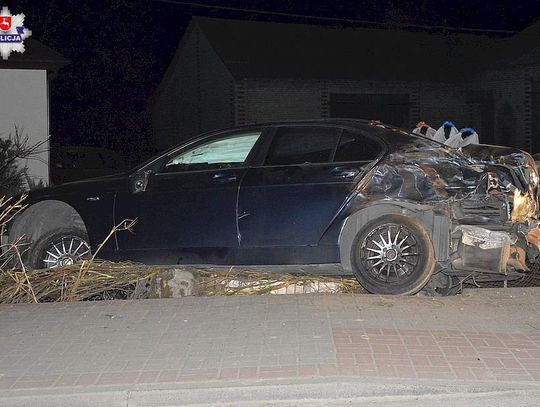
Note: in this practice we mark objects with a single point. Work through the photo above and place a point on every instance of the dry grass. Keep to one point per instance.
(87, 280)
(106, 280)
(243, 282)
(99, 280)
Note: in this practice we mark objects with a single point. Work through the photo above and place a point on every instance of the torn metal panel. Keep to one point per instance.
(504, 180)
(475, 259)
(484, 238)
(484, 249)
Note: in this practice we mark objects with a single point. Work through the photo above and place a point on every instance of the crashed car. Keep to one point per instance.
(400, 211)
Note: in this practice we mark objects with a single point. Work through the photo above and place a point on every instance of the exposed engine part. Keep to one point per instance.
(492, 251)
(470, 257)
(524, 207)
(533, 237)
(485, 239)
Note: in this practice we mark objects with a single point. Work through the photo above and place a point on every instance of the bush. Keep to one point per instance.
(13, 177)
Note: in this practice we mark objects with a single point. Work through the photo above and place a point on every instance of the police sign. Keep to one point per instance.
(12, 33)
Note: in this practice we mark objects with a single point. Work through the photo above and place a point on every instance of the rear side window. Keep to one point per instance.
(356, 147)
(303, 145)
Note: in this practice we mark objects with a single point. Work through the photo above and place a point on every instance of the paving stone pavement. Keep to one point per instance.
(484, 335)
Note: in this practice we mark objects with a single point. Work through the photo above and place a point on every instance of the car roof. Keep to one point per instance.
(367, 125)
(346, 122)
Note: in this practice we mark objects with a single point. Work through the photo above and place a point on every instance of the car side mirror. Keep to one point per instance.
(139, 181)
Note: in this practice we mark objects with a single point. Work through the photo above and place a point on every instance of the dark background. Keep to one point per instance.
(120, 49)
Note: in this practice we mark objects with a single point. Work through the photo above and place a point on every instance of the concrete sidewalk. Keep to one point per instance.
(150, 352)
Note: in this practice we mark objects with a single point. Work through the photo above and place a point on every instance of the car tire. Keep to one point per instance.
(393, 254)
(59, 247)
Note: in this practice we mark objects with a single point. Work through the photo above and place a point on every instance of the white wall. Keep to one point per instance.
(24, 102)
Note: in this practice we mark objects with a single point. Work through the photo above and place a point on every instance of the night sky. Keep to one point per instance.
(120, 49)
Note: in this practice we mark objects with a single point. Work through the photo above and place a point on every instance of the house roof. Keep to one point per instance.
(523, 48)
(262, 49)
(35, 56)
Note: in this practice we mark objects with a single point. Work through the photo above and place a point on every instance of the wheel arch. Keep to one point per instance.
(43, 217)
(437, 226)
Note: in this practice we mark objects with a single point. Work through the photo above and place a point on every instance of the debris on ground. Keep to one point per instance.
(103, 280)
(242, 282)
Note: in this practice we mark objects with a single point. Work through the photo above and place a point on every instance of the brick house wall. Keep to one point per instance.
(512, 89)
(281, 100)
(292, 99)
(535, 109)
(200, 92)
(508, 89)
(195, 96)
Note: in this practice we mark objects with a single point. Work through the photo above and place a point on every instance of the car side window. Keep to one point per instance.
(302, 145)
(356, 147)
(226, 152)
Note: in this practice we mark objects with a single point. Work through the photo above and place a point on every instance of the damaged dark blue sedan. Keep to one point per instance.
(398, 210)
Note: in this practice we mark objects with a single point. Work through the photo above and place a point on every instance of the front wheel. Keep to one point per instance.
(60, 247)
(393, 254)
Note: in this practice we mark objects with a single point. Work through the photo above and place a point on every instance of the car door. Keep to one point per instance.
(190, 201)
(307, 175)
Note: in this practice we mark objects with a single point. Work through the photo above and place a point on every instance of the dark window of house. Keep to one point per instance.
(355, 147)
(303, 145)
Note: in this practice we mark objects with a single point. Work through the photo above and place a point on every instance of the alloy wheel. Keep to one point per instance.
(389, 253)
(65, 251)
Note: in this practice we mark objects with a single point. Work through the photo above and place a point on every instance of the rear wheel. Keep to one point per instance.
(60, 247)
(393, 254)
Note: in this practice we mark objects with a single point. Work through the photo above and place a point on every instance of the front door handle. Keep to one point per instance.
(345, 172)
(224, 178)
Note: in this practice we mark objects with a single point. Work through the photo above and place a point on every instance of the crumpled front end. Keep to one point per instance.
(488, 193)
(522, 182)
(517, 184)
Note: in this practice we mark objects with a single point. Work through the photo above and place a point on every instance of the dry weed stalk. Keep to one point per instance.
(125, 225)
(10, 253)
(243, 282)
(9, 210)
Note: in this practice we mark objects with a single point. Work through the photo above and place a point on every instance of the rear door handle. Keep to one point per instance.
(224, 178)
(345, 172)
